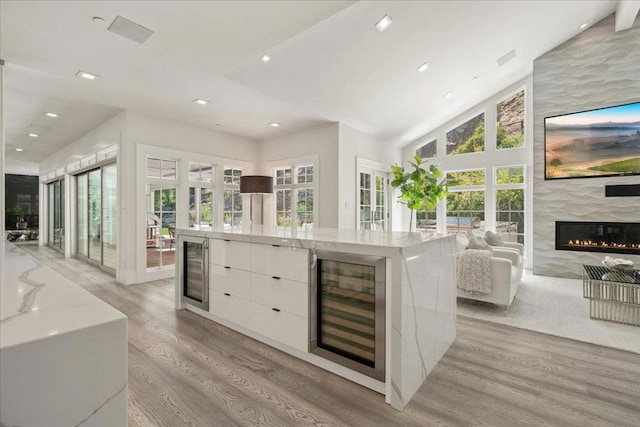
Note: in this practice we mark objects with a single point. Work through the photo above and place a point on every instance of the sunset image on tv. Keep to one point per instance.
(603, 142)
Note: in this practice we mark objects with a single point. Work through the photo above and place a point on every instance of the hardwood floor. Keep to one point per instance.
(187, 370)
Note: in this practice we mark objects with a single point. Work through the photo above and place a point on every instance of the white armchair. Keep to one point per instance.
(506, 272)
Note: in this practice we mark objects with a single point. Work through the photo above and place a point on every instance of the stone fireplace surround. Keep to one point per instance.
(592, 70)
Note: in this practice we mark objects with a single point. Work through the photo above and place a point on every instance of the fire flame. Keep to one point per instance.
(603, 244)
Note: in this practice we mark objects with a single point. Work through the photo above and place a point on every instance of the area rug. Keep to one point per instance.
(554, 306)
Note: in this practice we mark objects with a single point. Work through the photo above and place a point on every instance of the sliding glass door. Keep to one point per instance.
(55, 232)
(96, 213)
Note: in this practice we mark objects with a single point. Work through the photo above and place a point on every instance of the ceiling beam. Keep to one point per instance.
(626, 14)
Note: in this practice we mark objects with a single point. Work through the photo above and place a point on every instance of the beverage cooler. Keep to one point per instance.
(194, 271)
(348, 311)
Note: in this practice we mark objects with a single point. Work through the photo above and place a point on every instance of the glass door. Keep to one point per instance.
(349, 315)
(97, 216)
(55, 232)
(82, 215)
(161, 224)
(109, 216)
(372, 201)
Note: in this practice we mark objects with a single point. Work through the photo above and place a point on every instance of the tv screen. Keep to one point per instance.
(594, 143)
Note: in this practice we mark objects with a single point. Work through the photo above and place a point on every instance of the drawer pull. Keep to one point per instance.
(275, 277)
(276, 309)
(276, 246)
(226, 266)
(226, 240)
(227, 294)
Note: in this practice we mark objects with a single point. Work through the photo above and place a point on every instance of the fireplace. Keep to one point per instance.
(614, 237)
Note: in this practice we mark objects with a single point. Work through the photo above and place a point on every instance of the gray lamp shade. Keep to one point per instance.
(256, 184)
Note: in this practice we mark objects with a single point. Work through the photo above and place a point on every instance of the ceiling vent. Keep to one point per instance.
(130, 30)
(506, 58)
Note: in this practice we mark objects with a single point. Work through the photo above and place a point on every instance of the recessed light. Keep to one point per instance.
(583, 26)
(423, 67)
(274, 125)
(383, 23)
(200, 101)
(19, 149)
(54, 115)
(265, 58)
(33, 135)
(86, 75)
(448, 95)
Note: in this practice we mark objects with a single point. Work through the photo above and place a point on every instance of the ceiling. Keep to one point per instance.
(329, 63)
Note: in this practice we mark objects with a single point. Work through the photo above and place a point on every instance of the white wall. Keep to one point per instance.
(128, 129)
(490, 158)
(320, 141)
(144, 129)
(352, 144)
(18, 167)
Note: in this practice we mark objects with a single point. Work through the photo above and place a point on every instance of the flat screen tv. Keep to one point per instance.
(594, 143)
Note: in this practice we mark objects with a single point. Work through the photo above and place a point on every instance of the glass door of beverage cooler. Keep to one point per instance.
(349, 311)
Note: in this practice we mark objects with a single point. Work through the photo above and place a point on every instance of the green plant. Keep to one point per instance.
(421, 188)
(18, 210)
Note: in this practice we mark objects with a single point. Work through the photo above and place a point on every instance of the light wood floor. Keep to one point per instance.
(186, 370)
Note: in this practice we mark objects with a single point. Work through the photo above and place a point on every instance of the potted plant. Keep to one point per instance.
(420, 188)
(19, 212)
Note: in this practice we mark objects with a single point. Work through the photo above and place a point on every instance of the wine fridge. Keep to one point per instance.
(348, 311)
(194, 270)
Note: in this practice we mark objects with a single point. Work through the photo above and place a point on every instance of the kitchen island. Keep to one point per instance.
(63, 351)
(312, 294)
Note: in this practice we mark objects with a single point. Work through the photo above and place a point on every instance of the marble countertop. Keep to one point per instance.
(37, 303)
(305, 238)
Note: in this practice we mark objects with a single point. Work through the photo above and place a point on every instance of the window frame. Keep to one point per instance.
(271, 206)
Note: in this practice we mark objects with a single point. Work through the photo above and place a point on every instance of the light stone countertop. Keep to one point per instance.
(37, 302)
(385, 243)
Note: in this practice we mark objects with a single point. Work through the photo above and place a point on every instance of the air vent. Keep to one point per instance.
(130, 30)
(506, 58)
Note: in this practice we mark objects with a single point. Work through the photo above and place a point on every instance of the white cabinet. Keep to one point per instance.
(283, 294)
(229, 253)
(261, 287)
(230, 307)
(280, 261)
(231, 280)
(280, 326)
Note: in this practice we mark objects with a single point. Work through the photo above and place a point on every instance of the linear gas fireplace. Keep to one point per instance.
(616, 237)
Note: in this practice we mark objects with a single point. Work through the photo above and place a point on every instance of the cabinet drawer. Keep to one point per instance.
(282, 261)
(230, 279)
(285, 294)
(230, 254)
(230, 307)
(280, 326)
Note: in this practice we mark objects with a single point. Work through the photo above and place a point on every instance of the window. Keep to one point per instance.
(294, 187)
(510, 122)
(426, 221)
(510, 203)
(232, 213)
(201, 195)
(465, 201)
(427, 150)
(467, 138)
(161, 169)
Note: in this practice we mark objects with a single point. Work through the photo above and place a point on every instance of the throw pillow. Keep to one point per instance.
(479, 243)
(493, 239)
(462, 242)
(472, 234)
